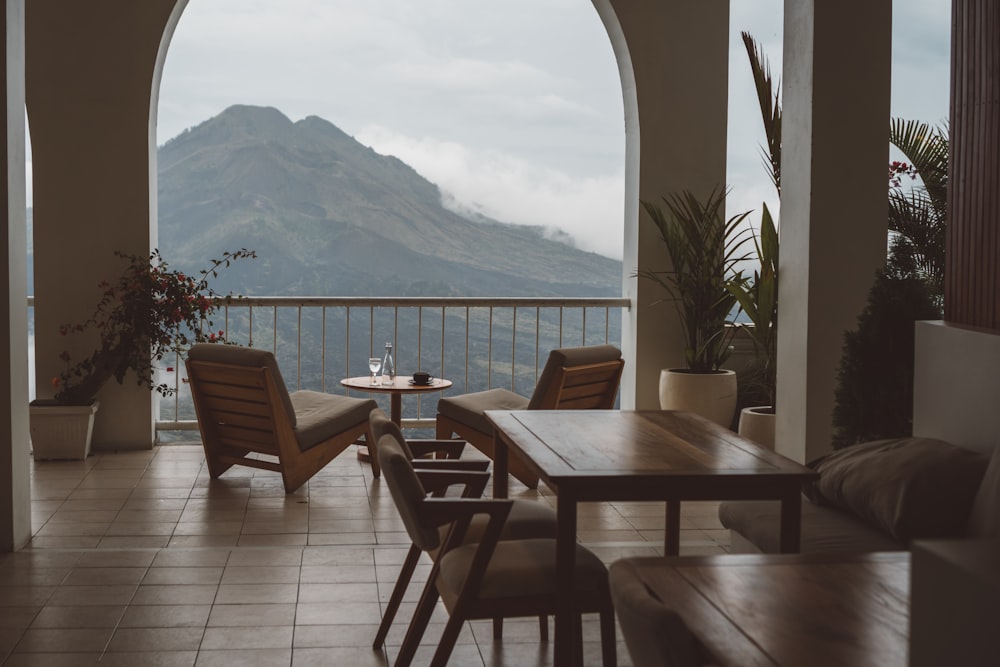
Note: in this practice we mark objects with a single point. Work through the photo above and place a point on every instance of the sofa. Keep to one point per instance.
(881, 496)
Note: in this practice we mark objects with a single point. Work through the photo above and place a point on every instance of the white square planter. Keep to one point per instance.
(61, 431)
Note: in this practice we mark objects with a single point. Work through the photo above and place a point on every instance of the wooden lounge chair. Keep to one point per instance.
(244, 411)
(574, 378)
(488, 578)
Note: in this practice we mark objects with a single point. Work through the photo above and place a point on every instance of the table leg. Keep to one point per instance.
(396, 408)
(501, 464)
(791, 522)
(395, 414)
(672, 529)
(565, 637)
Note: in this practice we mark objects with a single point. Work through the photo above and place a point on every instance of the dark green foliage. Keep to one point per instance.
(874, 397)
(758, 298)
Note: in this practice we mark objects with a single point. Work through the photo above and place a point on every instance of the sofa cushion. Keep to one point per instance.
(908, 487)
(824, 529)
(984, 519)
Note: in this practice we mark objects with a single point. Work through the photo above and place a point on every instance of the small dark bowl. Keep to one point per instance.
(421, 378)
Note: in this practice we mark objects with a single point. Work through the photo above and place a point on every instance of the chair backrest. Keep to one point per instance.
(408, 493)
(380, 425)
(245, 357)
(579, 378)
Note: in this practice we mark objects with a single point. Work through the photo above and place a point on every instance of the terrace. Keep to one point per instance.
(136, 558)
(90, 76)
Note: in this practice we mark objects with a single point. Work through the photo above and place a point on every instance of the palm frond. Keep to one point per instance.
(769, 98)
(927, 150)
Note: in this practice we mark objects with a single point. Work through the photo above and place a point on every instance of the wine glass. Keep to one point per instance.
(374, 363)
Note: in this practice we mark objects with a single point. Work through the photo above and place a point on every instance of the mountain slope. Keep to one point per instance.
(329, 216)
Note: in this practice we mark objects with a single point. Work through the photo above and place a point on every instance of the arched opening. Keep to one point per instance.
(520, 122)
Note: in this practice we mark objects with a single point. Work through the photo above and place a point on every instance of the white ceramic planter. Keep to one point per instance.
(711, 395)
(757, 424)
(62, 431)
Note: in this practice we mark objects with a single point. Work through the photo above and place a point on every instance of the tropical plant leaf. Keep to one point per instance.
(917, 218)
(769, 98)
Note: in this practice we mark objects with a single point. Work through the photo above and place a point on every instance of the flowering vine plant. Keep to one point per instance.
(148, 312)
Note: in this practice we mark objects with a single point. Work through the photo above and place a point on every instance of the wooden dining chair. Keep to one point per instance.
(491, 577)
(527, 519)
(247, 417)
(574, 378)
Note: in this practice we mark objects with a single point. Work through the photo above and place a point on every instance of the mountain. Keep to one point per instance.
(331, 217)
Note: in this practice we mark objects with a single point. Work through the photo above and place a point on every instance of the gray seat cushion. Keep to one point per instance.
(824, 529)
(468, 409)
(320, 416)
(521, 568)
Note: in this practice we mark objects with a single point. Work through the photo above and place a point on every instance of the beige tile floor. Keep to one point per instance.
(140, 559)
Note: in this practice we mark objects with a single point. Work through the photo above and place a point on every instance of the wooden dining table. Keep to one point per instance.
(623, 455)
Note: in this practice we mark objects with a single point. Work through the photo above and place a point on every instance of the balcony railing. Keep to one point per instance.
(478, 343)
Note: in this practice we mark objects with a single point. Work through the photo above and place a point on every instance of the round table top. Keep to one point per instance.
(401, 385)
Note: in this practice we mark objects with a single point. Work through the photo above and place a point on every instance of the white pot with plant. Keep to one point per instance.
(703, 248)
(148, 312)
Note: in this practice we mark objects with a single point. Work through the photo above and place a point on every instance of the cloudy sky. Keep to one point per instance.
(512, 107)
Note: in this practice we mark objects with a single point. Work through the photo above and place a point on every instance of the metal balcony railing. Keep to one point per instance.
(477, 343)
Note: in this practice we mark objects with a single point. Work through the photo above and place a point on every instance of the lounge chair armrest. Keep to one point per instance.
(446, 510)
(451, 464)
(437, 482)
(452, 449)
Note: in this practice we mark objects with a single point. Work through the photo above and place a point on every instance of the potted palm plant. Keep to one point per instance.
(703, 247)
(758, 299)
(148, 312)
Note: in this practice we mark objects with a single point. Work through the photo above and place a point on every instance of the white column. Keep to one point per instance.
(15, 489)
(93, 152)
(833, 205)
(675, 123)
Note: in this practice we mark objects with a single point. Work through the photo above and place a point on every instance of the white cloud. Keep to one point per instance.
(466, 74)
(511, 189)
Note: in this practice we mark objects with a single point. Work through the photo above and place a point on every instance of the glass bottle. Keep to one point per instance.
(388, 366)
